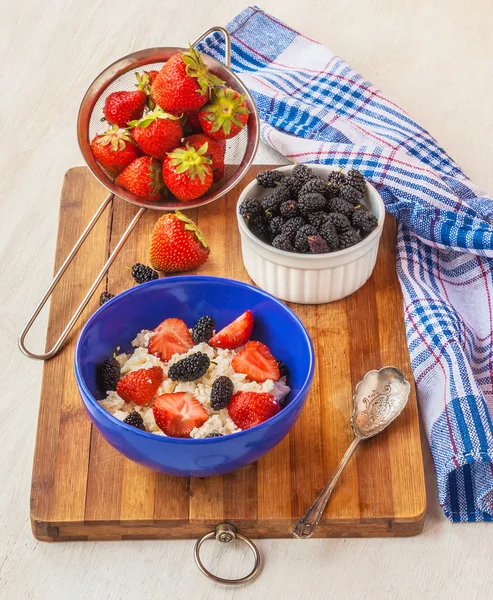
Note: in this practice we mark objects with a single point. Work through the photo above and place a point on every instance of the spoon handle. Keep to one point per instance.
(308, 523)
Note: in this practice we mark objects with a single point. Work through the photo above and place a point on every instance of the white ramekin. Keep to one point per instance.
(310, 278)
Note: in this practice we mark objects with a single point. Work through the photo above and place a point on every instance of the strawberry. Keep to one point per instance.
(142, 177)
(187, 172)
(225, 115)
(256, 362)
(177, 414)
(236, 333)
(183, 83)
(146, 79)
(170, 337)
(153, 73)
(122, 107)
(144, 83)
(114, 150)
(190, 123)
(248, 409)
(157, 133)
(140, 386)
(216, 150)
(177, 244)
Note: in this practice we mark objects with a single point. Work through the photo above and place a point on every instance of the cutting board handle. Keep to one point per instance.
(225, 533)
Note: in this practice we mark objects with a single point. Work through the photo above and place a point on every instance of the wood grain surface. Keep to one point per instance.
(84, 489)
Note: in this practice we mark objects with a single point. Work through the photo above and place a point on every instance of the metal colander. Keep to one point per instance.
(120, 76)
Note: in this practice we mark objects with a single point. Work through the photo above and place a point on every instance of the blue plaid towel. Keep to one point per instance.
(315, 108)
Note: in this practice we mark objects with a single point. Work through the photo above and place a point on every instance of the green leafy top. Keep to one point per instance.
(150, 117)
(116, 137)
(223, 109)
(144, 84)
(195, 67)
(191, 160)
(190, 226)
(156, 177)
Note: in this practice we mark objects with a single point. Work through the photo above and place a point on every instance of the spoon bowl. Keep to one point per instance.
(379, 398)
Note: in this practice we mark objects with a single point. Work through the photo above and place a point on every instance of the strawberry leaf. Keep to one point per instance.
(203, 149)
(195, 67)
(190, 226)
(217, 126)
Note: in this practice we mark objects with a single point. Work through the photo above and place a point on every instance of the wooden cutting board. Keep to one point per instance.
(83, 489)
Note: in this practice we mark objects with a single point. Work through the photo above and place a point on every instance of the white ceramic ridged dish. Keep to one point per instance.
(310, 278)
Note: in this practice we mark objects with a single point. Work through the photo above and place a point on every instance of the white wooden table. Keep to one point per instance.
(431, 57)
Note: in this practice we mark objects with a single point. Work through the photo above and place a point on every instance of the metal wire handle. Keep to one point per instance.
(227, 45)
(225, 533)
(68, 328)
(58, 344)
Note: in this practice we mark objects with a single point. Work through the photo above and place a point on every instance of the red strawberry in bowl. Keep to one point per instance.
(177, 244)
(190, 123)
(256, 362)
(122, 107)
(143, 178)
(140, 386)
(235, 334)
(114, 150)
(187, 172)
(177, 414)
(225, 115)
(248, 409)
(183, 83)
(170, 337)
(152, 74)
(157, 133)
(216, 151)
(144, 83)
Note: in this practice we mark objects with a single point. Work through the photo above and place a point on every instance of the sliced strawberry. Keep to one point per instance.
(256, 362)
(177, 414)
(236, 333)
(170, 337)
(248, 409)
(140, 386)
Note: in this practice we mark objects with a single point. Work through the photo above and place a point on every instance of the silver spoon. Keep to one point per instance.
(378, 400)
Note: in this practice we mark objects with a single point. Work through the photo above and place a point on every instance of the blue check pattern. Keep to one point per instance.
(315, 108)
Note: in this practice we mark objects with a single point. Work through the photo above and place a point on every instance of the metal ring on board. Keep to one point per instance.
(225, 533)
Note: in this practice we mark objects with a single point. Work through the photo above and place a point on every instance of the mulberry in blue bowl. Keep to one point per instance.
(118, 321)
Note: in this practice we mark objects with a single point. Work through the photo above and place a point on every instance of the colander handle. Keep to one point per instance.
(227, 39)
(58, 344)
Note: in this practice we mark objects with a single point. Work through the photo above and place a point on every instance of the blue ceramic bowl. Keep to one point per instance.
(189, 297)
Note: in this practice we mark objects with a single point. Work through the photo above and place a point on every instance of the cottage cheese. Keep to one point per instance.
(218, 421)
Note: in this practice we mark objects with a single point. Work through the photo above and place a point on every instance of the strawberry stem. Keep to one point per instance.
(190, 226)
(191, 160)
(224, 108)
(196, 68)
